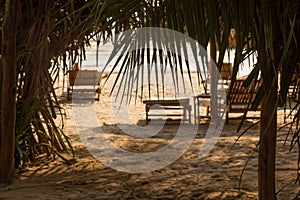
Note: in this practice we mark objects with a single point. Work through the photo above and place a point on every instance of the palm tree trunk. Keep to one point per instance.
(8, 114)
(268, 129)
(267, 147)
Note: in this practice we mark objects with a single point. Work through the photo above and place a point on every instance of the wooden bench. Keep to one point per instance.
(169, 104)
(240, 97)
(84, 78)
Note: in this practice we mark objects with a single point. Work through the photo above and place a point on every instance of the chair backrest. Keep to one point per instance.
(84, 77)
(296, 74)
(294, 87)
(240, 95)
(226, 71)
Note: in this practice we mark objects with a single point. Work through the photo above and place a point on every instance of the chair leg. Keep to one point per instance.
(98, 92)
(147, 116)
(68, 93)
(189, 110)
(207, 111)
(184, 114)
(227, 118)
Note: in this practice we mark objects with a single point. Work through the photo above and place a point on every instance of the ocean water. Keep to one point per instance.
(98, 61)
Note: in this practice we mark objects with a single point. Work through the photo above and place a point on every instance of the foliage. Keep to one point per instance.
(52, 35)
(40, 25)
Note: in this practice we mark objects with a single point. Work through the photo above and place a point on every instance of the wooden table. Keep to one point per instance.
(198, 100)
(169, 104)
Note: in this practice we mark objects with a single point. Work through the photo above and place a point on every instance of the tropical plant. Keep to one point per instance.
(270, 28)
(34, 36)
(39, 40)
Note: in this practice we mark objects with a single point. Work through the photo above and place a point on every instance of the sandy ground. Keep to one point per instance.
(229, 171)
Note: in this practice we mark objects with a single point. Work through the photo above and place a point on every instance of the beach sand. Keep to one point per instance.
(229, 171)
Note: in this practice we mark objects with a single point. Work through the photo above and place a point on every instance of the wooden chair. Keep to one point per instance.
(84, 78)
(295, 83)
(226, 72)
(240, 97)
(204, 98)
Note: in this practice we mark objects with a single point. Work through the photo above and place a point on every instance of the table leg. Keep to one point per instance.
(189, 110)
(195, 116)
(147, 114)
(184, 114)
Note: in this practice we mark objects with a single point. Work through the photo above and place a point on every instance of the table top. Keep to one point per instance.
(181, 100)
(203, 95)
